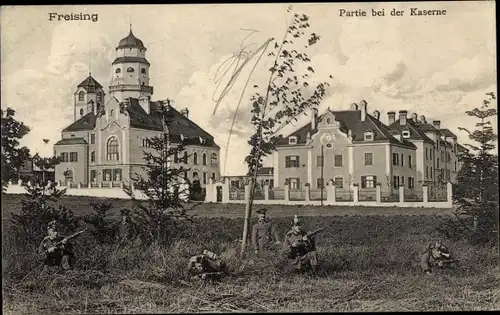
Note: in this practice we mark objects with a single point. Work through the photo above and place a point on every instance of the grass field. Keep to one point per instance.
(368, 264)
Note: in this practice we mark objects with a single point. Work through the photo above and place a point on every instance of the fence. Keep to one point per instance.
(350, 196)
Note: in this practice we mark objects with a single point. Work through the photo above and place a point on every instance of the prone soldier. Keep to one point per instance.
(56, 251)
(435, 255)
(263, 232)
(207, 266)
(301, 248)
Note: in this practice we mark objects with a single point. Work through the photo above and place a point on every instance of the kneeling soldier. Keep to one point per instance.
(55, 250)
(301, 247)
(436, 255)
(206, 266)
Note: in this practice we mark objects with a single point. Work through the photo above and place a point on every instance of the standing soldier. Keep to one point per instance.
(301, 248)
(124, 227)
(263, 232)
(55, 250)
(207, 266)
(435, 255)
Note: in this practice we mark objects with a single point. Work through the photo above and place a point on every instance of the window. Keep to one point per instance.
(81, 96)
(176, 157)
(430, 172)
(455, 166)
(338, 160)
(426, 153)
(368, 136)
(368, 158)
(328, 120)
(213, 159)
(106, 175)
(368, 181)
(99, 96)
(402, 160)
(411, 182)
(409, 161)
(204, 177)
(213, 176)
(319, 183)
(143, 70)
(204, 159)
(92, 156)
(291, 161)
(442, 155)
(320, 161)
(294, 183)
(117, 175)
(402, 181)
(329, 145)
(93, 175)
(64, 157)
(73, 157)
(185, 157)
(339, 182)
(92, 139)
(292, 140)
(195, 158)
(426, 172)
(195, 176)
(395, 182)
(130, 69)
(112, 149)
(118, 70)
(448, 157)
(438, 165)
(395, 159)
(81, 111)
(111, 113)
(406, 134)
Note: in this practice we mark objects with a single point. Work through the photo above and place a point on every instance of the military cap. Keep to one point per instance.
(261, 211)
(296, 220)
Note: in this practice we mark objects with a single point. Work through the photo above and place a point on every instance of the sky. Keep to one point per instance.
(436, 66)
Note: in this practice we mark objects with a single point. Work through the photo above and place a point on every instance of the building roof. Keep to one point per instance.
(71, 141)
(417, 131)
(447, 133)
(131, 42)
(87, 122)
(90, 84)
(130, 59)
(350, 120)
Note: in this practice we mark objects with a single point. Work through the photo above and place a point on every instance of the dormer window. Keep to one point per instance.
(406, 133)
(182, 137)
(130, 69)
(292, 140)
(328, 120)
(143, 70)
(99, 97)
(202, 141)
(368, 135)
(118, 70)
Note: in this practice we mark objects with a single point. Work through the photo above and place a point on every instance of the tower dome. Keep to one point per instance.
(130, 42)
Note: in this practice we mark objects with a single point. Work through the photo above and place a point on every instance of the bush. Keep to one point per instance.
(103, 227)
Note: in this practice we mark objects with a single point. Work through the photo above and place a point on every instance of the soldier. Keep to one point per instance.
(207, 266)
(124, 227)
(263, 232)
(435, 255)
(55, 250)
(301, 248)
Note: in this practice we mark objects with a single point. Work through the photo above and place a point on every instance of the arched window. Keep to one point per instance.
(92, 156)
(118, 70)
(112, 149)
(143, 70)
(195, 176)
(213, 159)
(81, 111)
(195, 158)
(81, 96)
(99, 96)
(204, 159)
(185, 158)
(111, 113)
(130, 69)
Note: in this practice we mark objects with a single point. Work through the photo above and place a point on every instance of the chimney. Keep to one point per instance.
(391, 117)
(354, 106)
(376, 114)
(363, 104)
(144, 102)
(308, 136)
(402, 117)
(422, 119)
(414, 117)
(314, 118)
(185, 112)
(437, 124)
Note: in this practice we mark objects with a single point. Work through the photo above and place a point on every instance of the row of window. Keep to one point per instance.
(116, 175)
(398, 160)
(69, 157)
(130, 69)
(185, 159)
(81, 96)
(399, 181)
(368, 181)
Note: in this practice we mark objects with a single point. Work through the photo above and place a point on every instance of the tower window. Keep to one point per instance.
(99, 96)
(130, 69)
(143, 70)
(81, 111)
(118, 70)
(81, 96)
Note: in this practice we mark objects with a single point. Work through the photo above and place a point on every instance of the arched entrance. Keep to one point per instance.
(219, 193)
(68, 177)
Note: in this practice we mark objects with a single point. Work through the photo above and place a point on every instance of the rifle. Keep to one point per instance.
(206, 275)
(313, 233)
(67, 238)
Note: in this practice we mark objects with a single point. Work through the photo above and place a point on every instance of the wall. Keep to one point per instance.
(378, 168)
(79, 168)
(292, 172)
(403, 170)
